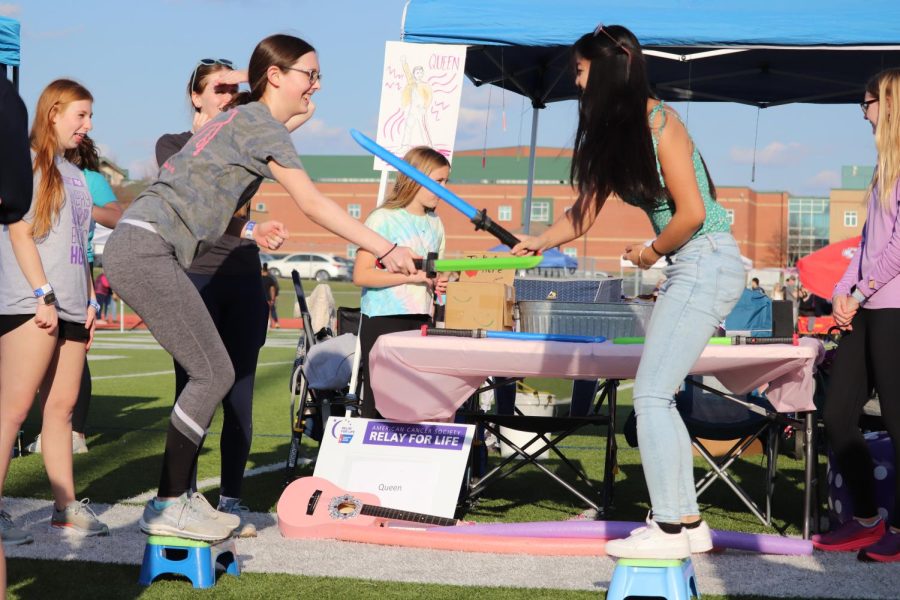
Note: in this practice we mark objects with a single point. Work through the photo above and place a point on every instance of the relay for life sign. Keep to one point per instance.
(410, 466)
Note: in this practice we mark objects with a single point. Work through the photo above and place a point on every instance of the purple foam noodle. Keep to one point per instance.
(607, 530)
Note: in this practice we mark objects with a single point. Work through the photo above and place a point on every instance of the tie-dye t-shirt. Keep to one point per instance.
(423, 234)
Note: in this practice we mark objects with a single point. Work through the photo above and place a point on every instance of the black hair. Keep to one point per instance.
(613, 150)
(85, 155)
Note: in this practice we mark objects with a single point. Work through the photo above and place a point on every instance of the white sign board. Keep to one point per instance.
(420, 94)
(416, 467)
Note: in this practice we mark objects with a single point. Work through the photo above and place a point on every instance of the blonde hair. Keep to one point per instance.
(50, 192)
(887, 134)
(405, 189)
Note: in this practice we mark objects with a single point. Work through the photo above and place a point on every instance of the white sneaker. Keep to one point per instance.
(699, 538)
(78, 445)
(225, 517)
(651, 542)
(185, 518)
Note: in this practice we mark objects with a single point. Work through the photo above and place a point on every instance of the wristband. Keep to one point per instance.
(95, 305)
(641, 257)
(653, 247)
(378, 262)
(44, 289)
(858, 295)
(248, 230)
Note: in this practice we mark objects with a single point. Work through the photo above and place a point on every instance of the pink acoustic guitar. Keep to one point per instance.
(312, 507)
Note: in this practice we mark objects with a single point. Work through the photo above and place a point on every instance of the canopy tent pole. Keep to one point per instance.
(526, 213)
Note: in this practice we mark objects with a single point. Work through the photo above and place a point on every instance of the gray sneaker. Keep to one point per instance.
(224, 517)
(10, 534)
(185, 517)
(79, 517)
(233, 506)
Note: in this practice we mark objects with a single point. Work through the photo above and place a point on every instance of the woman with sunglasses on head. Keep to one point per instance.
(228, 279)
(47, 305)
(181, 216)
(634, 147)
(866, 305)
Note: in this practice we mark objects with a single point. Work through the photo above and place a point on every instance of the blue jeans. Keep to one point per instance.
(702, 286)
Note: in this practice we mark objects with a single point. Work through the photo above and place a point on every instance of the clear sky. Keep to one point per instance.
(136, 57)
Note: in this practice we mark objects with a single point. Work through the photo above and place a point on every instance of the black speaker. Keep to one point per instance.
(782, 318)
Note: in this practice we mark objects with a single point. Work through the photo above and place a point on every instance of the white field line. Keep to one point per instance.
(172, 372)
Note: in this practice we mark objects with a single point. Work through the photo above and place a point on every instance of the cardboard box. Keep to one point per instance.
(504, 276)
(479, 306)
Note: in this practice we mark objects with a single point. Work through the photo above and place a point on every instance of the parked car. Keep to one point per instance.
(320, 267)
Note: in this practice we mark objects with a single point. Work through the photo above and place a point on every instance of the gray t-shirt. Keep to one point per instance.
(217, 172)
(61, 250)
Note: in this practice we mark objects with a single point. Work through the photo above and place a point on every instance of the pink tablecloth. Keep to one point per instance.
(418, 378)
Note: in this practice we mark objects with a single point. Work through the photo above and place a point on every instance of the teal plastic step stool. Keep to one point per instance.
(195, 560)
(640, 577)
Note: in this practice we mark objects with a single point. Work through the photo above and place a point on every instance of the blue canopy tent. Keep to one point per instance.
(10, 48)
(763, 53)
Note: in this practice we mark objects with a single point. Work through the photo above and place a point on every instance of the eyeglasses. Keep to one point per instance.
(600, 29)
(208, 62)
(864, 105)
(313, 75)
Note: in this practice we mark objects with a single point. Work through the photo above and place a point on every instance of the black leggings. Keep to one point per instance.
(866, 357)
(239, 310)
(370, 329)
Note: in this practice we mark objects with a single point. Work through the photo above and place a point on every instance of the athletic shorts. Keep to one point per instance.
(68, 330)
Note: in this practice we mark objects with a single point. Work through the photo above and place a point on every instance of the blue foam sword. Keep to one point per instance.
(478, 217)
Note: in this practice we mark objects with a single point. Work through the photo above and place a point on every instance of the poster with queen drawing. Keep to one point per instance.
(420, 94)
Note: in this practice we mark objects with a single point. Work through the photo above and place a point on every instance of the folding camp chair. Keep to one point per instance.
(548, 433)
(712, 415)
(324, 379)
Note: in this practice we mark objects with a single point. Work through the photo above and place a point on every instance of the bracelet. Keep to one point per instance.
(95, 305)
(43, 290)
(641, 257)
(248, 230)
(658, 253)
(378, 260)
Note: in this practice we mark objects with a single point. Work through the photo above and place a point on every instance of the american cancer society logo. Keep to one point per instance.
(342, 431)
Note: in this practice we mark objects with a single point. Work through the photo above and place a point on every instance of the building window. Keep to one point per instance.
(850, 219)
(351, 250)
(355, 210)
(260, 207)
(504, 213)
(730, 213)
(540, 211)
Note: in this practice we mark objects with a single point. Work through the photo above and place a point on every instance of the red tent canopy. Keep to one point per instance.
(821, 270)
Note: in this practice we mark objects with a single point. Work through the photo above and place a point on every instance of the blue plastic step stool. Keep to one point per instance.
(640, 577)
(195, 560)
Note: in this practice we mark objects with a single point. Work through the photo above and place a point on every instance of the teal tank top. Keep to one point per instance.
(660, 215)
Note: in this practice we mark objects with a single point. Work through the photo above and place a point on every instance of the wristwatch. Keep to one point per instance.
(858, 295)
(49, 298)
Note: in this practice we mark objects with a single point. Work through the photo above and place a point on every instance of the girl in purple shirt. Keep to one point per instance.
(867, 307)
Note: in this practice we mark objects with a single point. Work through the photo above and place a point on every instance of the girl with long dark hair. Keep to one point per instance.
(631, 146)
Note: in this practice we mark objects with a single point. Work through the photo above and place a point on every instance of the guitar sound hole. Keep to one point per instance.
(346, 508)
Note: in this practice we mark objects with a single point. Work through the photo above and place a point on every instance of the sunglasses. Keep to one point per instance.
(864, 105)
(313, 75)
(208, 62)
(601, 29)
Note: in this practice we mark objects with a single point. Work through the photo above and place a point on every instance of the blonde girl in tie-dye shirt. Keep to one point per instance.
(390, 301)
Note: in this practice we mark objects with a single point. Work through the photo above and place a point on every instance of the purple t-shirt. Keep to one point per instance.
(875, 266)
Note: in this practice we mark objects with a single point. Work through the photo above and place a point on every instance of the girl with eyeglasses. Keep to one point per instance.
(228, 279)
(634, 147)
(866, 305)
(181, 216)
(47, 305)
